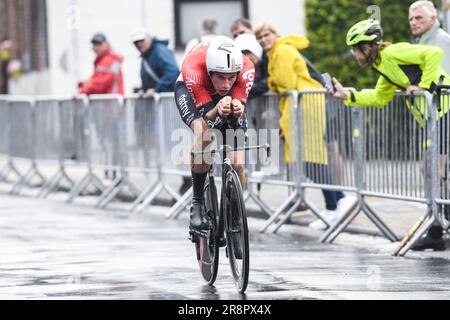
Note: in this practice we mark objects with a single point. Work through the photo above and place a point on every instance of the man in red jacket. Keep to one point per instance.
(107, 77)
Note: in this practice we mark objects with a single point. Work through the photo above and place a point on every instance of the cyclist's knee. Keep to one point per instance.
(201, 133)
(199, 126)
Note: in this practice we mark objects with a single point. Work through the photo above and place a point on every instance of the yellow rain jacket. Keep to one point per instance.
(288, 71)
(401, 65)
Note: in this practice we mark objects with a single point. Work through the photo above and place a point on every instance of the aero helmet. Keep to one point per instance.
(223, 56)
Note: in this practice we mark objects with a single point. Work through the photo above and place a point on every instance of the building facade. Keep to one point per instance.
(62, 55)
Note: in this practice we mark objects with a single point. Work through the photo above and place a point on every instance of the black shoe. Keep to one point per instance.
(429, 243)
(198, 215)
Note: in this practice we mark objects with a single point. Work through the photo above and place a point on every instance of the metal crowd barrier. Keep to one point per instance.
(443, 170)
(22, 137)
(106, 147)
(263, 115)
(325, 159)
(177, 140)
(142, 145)
(387, 162)
(381, 152)
(50, 138)
(436, 168)
(5, 140)
(371, 152)
(164, 119)
(82, 127)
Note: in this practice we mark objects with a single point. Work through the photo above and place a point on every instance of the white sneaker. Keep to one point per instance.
(345, 204)
(329, 215)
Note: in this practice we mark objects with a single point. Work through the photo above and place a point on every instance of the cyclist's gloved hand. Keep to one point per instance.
(238, 107)
(340, 92)
(224, 106)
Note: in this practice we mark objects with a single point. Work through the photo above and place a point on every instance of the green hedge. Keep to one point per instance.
(327, 22)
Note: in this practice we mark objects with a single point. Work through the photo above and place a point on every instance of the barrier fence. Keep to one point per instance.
(391, 152)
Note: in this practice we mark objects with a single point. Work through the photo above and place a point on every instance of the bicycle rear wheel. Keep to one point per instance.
(236, 231)
(207, 248)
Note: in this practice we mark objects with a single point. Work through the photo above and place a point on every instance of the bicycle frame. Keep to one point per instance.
(221, 231)
(226, 168)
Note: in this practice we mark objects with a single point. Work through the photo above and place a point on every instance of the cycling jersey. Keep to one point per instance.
(196, 78)
(188, 111)
(194, 92)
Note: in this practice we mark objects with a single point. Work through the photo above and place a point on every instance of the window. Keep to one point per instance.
(189, 15)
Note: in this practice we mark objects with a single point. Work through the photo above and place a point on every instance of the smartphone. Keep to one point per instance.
(328, 81)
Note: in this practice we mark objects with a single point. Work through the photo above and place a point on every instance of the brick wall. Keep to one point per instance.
(24, 22)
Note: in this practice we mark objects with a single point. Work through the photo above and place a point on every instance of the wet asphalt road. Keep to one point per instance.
(50, 250)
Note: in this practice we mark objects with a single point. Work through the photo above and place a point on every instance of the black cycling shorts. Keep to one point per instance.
(227, 126)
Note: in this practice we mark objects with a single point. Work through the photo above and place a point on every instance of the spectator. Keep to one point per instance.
(288, 71)
(425, 29)
(107, 77)
(244, 26)
(5, 58)
(250, 47)
(241, 26)
(209, 32)
(159, 70)
(401, 66)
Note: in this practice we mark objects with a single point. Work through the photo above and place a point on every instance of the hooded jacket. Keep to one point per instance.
(107, 77)
(401, 65)
(162, 61)
(288, 71)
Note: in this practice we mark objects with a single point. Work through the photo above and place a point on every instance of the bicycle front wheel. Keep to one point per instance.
(236, 231)
(208, 247)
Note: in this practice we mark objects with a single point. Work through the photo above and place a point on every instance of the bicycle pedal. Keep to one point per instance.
(194, 234)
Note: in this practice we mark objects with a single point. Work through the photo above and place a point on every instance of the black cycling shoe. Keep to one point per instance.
(198, 215)
(429, 243)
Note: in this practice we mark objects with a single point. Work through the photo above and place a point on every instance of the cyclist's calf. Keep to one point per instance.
(239, 168)
(201, 140)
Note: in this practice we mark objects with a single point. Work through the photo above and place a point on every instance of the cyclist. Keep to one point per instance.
(211, 92)
(401, 66)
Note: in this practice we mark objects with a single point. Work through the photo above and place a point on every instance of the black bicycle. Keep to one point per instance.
(227, 224)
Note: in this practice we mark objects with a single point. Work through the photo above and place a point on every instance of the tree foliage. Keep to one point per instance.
(327, 23)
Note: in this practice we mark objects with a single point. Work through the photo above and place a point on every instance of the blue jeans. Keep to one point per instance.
(320, 173)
